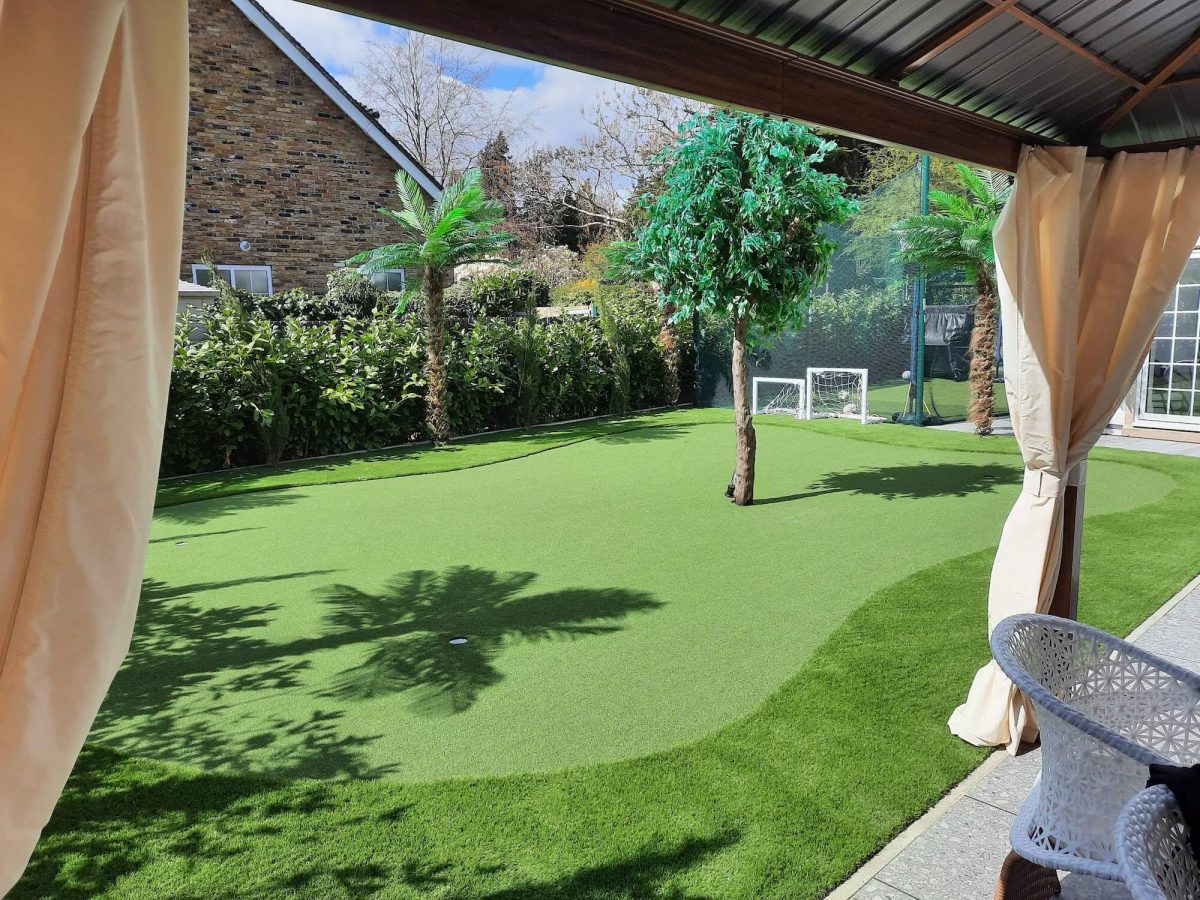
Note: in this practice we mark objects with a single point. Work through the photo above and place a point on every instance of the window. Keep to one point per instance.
(388, 279)
(1171, 379)
(255, 279)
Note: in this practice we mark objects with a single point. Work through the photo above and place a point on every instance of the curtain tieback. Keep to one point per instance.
(1044, 483)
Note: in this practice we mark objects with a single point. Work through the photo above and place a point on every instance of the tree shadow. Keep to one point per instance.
(647, 874)
(181, 647)
(645, 434)
(412, 622)
(188, 489)
(914, 482)
(191, 665)
(176, 538)
(119, 815)
(203, 510)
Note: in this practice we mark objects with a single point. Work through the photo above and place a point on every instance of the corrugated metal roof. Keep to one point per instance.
(1007, 69)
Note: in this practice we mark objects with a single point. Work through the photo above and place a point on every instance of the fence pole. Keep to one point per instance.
(918, 369)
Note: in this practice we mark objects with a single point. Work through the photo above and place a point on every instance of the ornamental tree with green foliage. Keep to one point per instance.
(736, 230)
(461, 227)
(956, 236)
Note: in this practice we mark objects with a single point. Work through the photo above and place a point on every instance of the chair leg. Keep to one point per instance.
(1022, 880)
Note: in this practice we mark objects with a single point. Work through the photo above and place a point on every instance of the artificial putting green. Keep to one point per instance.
(796, 771)
(612, 603)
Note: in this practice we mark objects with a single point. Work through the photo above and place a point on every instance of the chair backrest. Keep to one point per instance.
(1140, 705)
(1154, 850)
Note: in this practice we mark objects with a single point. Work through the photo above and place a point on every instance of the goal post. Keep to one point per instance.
(778, 396)
(836, 393)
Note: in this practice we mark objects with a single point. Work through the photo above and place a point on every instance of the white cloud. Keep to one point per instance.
(554, 104)
(336, 39)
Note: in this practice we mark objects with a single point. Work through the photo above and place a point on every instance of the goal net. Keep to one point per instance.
(837, 393)
(778, 396)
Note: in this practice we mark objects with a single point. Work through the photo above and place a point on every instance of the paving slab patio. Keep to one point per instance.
(954, 851)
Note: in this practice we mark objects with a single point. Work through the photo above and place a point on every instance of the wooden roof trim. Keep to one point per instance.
(1041, 25)
(1182, 54)
(643, 43)
(946, 38)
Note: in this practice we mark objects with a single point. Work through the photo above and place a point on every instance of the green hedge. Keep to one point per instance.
(247, 389)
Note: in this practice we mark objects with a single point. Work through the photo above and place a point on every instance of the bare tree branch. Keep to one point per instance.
(431, 94)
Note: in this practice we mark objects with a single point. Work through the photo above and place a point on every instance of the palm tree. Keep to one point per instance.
(957, 236)
(460, 228)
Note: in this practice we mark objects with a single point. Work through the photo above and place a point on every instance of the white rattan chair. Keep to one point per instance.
(1153, 846)
(1106, 710)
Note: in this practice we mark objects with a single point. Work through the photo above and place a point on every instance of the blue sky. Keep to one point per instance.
(551, 96)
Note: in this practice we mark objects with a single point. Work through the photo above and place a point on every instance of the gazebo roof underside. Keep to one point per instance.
(969, 79)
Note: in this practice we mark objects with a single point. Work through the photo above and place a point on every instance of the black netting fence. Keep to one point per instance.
(864, 320)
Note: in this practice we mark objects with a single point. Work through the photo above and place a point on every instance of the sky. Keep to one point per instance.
(552, 97)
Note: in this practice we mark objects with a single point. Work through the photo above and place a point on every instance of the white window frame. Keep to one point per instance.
(1147, 417)
(197, 268)
(401, 272)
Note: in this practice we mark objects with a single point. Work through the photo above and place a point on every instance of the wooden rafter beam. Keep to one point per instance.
(642, 43)
(1040, 24)
(947, 38)
(1175, 80)
(1186, 51)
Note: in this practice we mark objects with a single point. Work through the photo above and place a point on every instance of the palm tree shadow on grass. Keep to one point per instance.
(191, 665)
(202, 510)
(418, 614)
(909, 482)
(118, 816)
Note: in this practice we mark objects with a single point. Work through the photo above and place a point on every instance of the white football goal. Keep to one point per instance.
(778, 397)
(836, 393)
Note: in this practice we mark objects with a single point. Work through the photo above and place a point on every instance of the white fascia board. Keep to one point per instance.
(370, 127)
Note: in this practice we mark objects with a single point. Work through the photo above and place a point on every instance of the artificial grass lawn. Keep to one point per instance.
(821, 697)
(613, 603)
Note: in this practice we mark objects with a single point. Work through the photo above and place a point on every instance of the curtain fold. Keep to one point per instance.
(1088, 251)
(94, 100)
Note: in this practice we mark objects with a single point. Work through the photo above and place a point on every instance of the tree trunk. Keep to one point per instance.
(743, 473)
(983, 357)
(668, 336)
(436, 419)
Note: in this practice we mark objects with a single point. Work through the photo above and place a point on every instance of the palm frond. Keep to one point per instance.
(404, 217)
(390, 256)
(957, 233)
(413, 199)
(461, 227)
(452, 194)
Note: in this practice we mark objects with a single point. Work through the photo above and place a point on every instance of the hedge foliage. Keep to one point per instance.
(267, 380)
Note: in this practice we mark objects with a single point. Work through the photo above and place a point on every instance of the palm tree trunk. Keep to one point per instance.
(436, 419)
(743, 473)
(983, 356)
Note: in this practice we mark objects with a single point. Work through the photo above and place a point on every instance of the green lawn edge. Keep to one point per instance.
(412, 459)
(786, 802)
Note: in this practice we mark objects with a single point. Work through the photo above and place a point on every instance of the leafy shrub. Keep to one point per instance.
(350, 294)
(254, 390)
(507, 293)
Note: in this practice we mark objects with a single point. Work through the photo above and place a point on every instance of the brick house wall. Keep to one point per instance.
(273, 160)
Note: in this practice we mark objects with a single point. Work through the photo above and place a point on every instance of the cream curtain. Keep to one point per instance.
(1087, 251)
(93, 101)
